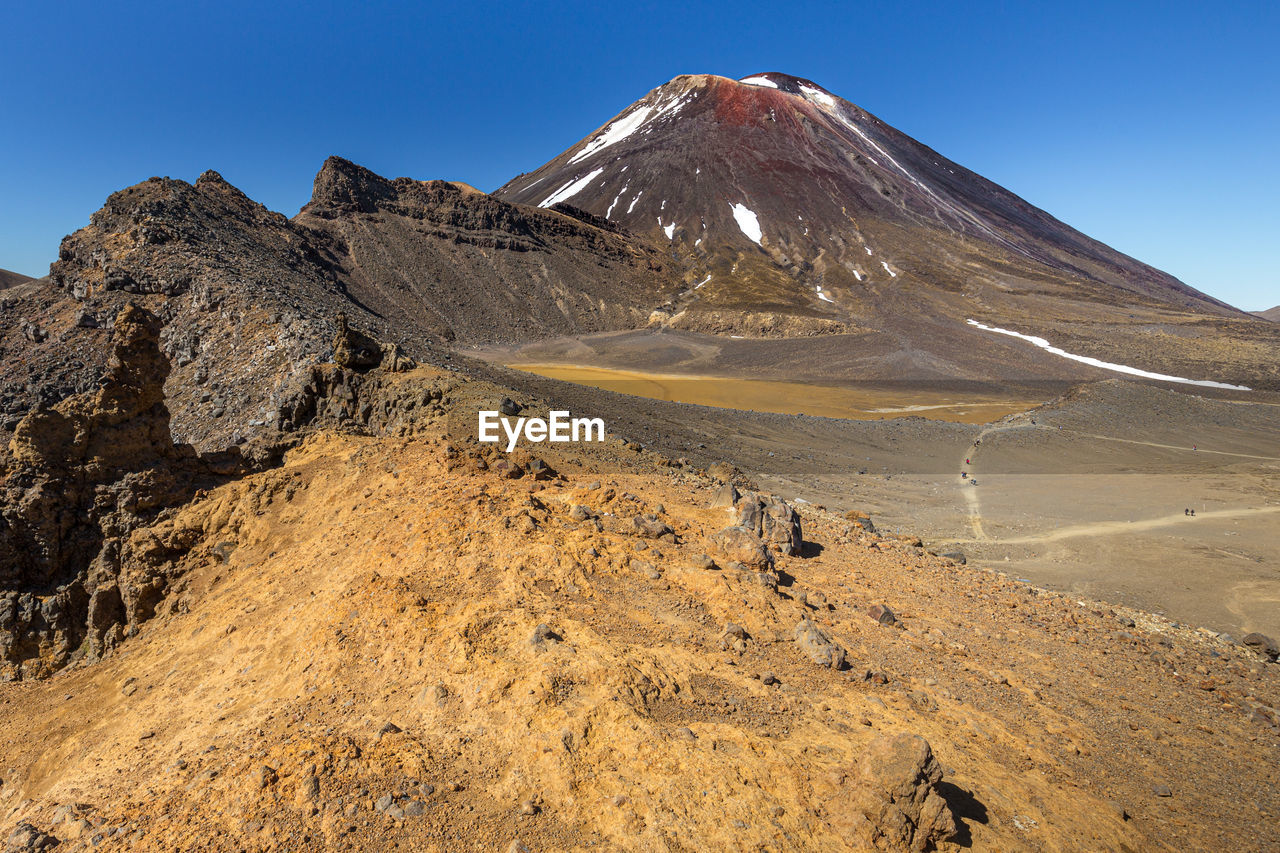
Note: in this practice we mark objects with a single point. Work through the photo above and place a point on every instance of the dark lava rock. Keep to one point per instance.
(26, 838)
(881, 614)
(1262, 644)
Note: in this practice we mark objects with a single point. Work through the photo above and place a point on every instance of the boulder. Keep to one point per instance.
(773, 520)
(1262, 644)
(896, 803)
(881, 614)
(26, 838)
(862, 520)
(818, 645)
(651, 527)
(738, 544)
(726, 496)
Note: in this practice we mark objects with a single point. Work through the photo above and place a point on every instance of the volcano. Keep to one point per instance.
(780, 199)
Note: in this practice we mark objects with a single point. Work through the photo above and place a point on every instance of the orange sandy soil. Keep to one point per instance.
(374, 581)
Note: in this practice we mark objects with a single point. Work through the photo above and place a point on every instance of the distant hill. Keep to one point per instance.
(12, 279)
(1272, 314)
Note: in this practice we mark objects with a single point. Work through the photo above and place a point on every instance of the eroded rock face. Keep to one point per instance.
(80, 476)
(773, 520)
(895, 803)
(87, 547)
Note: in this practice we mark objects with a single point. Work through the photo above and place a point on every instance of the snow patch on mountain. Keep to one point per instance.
(632, 206)
(614, 133)
(885, 264)
(614, 203)
(759, 81)
(748, 222)
(822, 295)
(673, 106)
(1106, 365)
(818, 95)
(571, 189)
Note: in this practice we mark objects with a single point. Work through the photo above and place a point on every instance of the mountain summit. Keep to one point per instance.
(778, 195)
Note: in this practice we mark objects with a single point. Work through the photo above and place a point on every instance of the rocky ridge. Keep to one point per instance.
(249, 299)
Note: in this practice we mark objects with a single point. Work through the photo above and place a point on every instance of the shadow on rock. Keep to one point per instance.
(966, 808)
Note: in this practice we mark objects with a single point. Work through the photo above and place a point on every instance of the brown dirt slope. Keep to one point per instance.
(479, 269)
(396, 642)
(12, 279)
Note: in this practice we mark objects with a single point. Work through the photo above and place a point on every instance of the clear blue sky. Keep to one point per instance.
(1153, 126)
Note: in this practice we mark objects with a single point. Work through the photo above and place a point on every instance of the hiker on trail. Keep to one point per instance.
(1186, 512)
(967, 462)
(1193, 513)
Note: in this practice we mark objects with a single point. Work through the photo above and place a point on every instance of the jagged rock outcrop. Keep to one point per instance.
(764, 526)
(80, 476)
(378, 402)
(469, 267)
(355, 350)
(83, 476)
